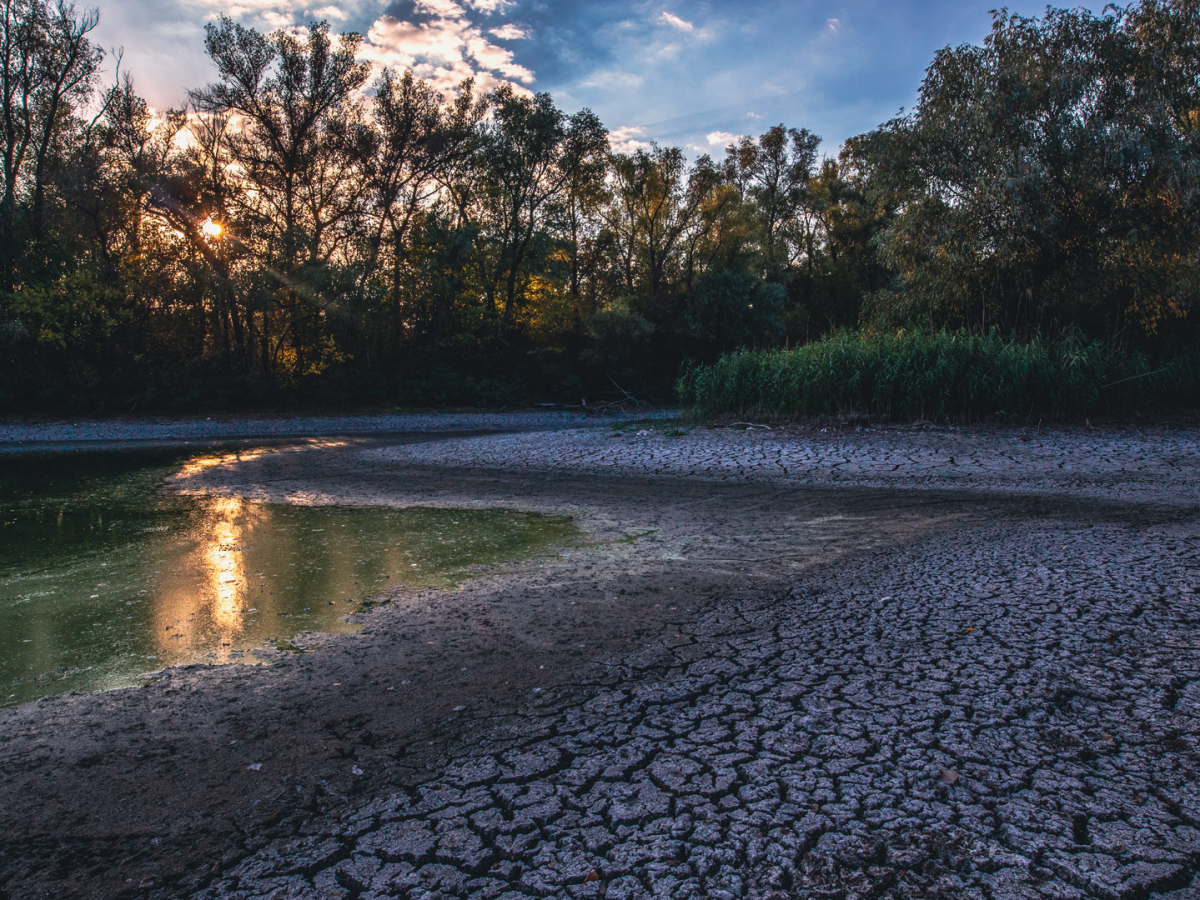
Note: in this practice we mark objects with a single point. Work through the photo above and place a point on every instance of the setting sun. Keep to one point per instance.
(211, 228)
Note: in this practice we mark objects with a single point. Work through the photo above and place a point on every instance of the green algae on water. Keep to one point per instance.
(104, 578)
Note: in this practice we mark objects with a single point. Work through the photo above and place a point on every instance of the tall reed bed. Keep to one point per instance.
(940, 376)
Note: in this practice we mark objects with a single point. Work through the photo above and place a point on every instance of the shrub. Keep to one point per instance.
(940, 376)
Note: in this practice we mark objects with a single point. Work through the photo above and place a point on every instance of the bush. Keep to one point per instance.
(731, 309)
(940, 376)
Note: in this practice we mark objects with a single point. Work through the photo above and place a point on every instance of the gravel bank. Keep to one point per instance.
(1158, 465)
(17, 436)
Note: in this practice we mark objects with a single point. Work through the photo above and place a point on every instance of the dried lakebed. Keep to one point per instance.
(886, 664)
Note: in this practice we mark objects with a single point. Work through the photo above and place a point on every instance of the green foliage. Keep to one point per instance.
(291, 237)
(773, 174)
(940, 376)
(619, 341)
(728, 310)
(1049, 179)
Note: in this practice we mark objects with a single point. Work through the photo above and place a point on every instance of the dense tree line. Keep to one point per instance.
(301, 229)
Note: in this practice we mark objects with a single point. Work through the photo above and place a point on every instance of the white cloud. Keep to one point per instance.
(442, 9)
(753, 115)
(444, 50)
(277, 21)
(628, 139)
(490, 56)
(441, 44)
(271, 15)
(447, 78)
(510, 32)
(333, 13)
(833, 24)
(617, 80)
(721, 138)
(490, 6)
(675, 22)
(396, 43)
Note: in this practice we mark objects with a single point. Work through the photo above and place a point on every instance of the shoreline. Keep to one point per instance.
(17, 435)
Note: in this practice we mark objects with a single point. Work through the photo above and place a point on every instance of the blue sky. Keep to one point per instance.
(687, 74)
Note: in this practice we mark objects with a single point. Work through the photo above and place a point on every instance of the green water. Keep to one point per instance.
(103, 577)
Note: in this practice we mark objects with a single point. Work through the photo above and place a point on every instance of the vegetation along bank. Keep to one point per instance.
(297, 230)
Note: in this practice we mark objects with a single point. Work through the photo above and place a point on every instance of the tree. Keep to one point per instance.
(419, 139)
(1050, 179)
(773, 174)
(297, 140)
(656, 202)
(47, 70)
(530, 157)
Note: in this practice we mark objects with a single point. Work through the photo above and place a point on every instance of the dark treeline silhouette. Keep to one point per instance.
(302, 232)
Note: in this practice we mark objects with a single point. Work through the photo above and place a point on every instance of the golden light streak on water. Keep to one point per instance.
(203, 464)
(222, 551)
(207, 601)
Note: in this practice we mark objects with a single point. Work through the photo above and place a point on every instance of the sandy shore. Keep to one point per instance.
(892, 662)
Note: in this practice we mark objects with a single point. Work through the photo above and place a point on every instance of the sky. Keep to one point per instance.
(693, 75)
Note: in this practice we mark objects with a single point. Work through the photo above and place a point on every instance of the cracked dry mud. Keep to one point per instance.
(1004, 729)
(838, 680)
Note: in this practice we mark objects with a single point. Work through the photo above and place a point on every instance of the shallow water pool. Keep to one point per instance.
(104, 577)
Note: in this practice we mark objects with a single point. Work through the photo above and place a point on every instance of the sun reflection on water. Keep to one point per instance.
(202, 464)
(194, 469)
(205, 601)
(228, 519)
